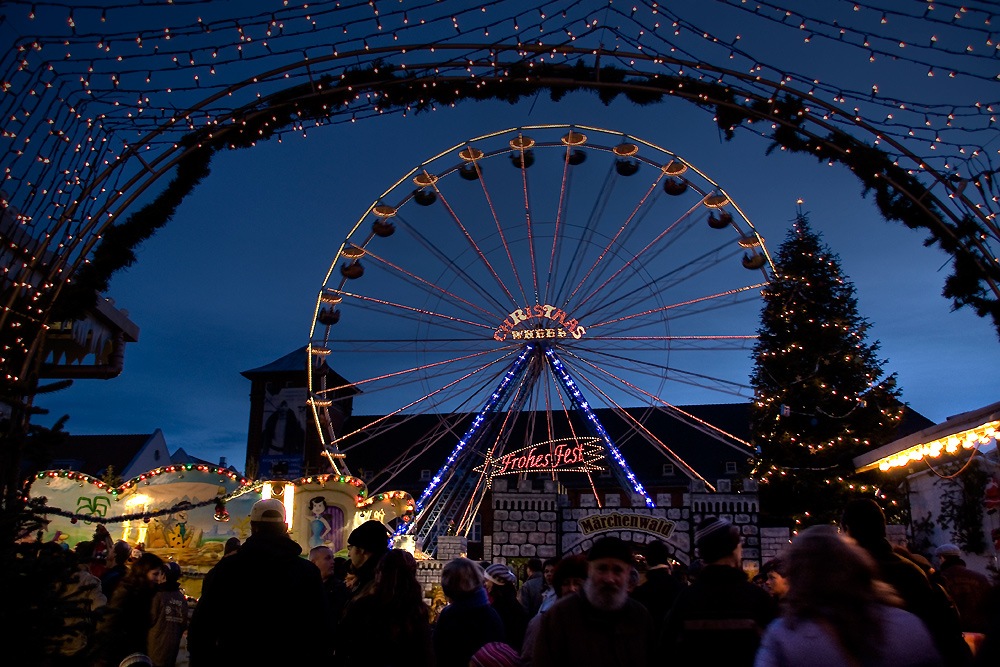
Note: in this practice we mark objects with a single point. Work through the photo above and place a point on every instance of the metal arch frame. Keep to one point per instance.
(102, 219)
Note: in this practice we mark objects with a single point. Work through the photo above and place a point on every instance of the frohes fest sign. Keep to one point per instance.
(567, 325)
(600, 523)
(563, 455)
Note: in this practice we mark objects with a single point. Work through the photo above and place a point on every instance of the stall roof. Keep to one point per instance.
(975, 421)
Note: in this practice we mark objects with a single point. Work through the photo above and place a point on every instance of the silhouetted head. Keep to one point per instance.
(864, 520)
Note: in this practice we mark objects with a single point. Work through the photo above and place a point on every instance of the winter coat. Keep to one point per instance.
(169, 618)
(530, 594)
(968, 589)
(85, 590)
(124, 626)
(371, 637)
(263, 604)
(657, 594)
(718, 620)
(904, 642)
(574, 633)
(465, 626)
(930, 603)
(515, 620)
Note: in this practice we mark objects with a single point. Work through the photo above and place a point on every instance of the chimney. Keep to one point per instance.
(222, 461)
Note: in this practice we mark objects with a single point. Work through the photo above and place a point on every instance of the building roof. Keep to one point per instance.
(295, 362)
(398, 437)
(181, 456)
(92, 454)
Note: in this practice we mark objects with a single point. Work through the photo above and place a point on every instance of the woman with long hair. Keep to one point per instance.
(124, 629)
(838, 613)
(403, 627)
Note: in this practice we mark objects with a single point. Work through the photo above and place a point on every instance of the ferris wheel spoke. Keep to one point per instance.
(714, 431)
(527, 214)
(603, 198)
(639, 255)
(646, 434)
(423, 283)
(447, 426)
(678, 305)
(450, 264)
(689, 343)
(668, 281)
(473, 244)
(657, 371)
(560, 209)
(443, 430)
(412, 309)
(415, 369)
(422, 398)
(614, 239)
(496, 221)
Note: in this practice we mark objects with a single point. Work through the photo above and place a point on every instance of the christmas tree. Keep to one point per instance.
(821, 397)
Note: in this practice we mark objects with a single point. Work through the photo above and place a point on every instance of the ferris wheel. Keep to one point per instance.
(515, 293)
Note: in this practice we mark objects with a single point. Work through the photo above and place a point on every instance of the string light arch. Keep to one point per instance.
(74, 170)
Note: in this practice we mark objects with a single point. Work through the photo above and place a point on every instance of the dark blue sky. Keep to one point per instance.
(230, 284)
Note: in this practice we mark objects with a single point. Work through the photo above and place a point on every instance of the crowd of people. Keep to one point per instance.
(839, 596)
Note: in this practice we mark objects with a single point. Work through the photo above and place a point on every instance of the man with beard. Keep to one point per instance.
(599, 624)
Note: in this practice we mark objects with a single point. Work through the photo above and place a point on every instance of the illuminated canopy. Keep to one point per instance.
(966, 431)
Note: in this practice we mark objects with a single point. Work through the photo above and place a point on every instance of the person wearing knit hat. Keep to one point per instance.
(718, 620)
(599, 624)
(365, 546)
(495, 654)
(500, 575)
(716, 538)
(968, 589)
(501, 587)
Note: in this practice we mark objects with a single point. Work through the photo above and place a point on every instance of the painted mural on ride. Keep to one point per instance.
(187, 512)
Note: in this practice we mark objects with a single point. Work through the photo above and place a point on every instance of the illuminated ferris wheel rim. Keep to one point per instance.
(422, 168)
(539, 323)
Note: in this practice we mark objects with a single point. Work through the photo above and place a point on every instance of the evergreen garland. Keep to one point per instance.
(402, 89)
(398, 88)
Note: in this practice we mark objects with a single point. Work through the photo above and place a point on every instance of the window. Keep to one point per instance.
(425, 475)
(730, 467)
(668, 470)
(723, 486)
(606, 472)
(156, 454)
(367, 475)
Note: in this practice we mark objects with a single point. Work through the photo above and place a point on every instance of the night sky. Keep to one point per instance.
(231, 283)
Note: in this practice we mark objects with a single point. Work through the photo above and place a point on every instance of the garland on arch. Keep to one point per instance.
(405, 90)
